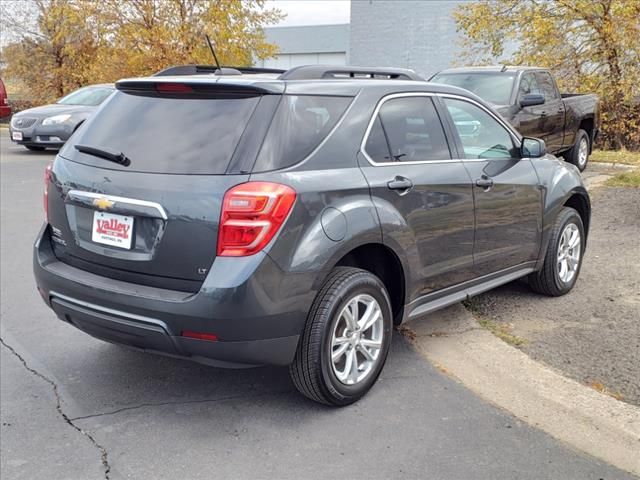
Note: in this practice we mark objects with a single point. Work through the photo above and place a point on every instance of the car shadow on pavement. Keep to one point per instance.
(41, 153)
(115, 379)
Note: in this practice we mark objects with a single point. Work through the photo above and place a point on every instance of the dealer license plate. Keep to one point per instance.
(17, 136)
(111, 229)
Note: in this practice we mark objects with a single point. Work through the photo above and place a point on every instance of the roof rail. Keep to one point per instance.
(212, 69)
(315, 72)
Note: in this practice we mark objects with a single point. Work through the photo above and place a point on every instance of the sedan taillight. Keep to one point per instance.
(252, 213)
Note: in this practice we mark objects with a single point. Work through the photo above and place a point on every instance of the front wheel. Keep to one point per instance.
(346, 338)
(563, 258)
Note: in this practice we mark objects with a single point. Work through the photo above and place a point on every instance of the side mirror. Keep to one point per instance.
(531, 99)
(533, 148)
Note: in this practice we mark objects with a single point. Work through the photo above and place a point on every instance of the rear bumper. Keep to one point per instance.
(256, 323)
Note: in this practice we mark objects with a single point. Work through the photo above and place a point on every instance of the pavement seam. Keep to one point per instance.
(103, 452)
(175, 402)
(204, 400)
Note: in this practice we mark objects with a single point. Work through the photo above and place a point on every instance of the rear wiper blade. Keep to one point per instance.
(119, 158)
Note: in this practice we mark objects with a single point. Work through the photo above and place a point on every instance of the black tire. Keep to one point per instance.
(312, 371)
(34, 148)
(547, 281)
(573, 155)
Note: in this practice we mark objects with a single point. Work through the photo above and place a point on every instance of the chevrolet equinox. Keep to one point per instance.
(244, 218)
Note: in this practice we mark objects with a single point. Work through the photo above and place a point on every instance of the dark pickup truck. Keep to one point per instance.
(529, 99)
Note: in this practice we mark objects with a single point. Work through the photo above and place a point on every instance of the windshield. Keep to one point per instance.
(90, 96)
(494, 87)
(166, 135)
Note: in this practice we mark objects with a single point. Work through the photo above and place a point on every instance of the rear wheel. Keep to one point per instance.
(579, 153)
(563, 259)
(34, 148)
(346, 338)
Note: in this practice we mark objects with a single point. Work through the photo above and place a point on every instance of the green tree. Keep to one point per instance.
(590, 45)
(52, 55)
(148, 35)
(54, 46)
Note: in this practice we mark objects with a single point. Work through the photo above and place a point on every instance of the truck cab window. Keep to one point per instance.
(547, 87)
(529, 84)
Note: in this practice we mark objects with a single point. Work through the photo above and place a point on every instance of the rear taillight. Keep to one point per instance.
(45, 196)
(251, 215)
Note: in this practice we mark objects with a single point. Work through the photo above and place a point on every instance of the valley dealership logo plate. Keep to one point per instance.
(114, 230)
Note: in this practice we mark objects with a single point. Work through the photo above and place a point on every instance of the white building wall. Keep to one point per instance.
(420, 35)
(290, 60)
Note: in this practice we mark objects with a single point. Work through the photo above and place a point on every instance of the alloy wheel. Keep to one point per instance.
(357, 339)
(583, 151)
(568, 257)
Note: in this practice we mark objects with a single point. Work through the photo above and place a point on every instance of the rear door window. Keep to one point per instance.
(166, 135)
(300, 124)
(413, 130)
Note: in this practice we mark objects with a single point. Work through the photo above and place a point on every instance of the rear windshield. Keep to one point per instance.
(494, 88)
(166, 135)
(301, 123)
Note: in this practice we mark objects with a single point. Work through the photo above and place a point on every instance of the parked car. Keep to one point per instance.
(242, 220)
(529, 99)
(5, 108)
(50, 126)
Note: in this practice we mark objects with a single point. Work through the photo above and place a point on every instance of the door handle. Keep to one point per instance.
(484, 182)
(402, 184)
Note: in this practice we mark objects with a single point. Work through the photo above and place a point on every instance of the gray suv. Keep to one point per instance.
(242, 219)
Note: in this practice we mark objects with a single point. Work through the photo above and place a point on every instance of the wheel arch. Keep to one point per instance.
(576, 198)
(588, 125)
(580, 202)
(383, 262)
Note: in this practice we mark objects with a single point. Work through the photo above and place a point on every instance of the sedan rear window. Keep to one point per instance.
(166, 135)
(89, 96)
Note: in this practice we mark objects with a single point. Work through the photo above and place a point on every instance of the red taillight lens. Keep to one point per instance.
(251, 215)
(173, 88)
(199, 335)
(45, 196)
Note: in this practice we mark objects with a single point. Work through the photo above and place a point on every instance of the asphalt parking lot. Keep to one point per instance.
(73, 407)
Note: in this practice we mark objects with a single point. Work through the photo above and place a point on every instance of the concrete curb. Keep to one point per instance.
(596, 181)
(567, 410)
(610, 165)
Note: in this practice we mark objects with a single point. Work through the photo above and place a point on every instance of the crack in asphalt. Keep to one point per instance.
(103, 452)
(177, 402)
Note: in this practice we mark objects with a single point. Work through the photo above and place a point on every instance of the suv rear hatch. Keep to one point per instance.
(153, 218)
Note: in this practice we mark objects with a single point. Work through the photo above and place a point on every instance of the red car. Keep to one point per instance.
(5, 109)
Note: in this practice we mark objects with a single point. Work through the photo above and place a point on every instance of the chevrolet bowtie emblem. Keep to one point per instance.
(103, 203)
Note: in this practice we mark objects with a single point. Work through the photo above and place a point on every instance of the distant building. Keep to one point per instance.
(416, 34)
(420, 35)
(307, 45)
